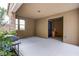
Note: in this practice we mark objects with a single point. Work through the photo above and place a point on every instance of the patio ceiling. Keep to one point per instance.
(40, 10)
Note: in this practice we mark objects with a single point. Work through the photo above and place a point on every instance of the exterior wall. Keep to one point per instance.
(29, 29)
(70, 26)
(42, 28)
(77, 25)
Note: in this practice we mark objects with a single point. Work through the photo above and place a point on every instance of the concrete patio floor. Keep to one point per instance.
(36, 46)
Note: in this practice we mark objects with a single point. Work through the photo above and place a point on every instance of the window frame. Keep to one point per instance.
(18, 24)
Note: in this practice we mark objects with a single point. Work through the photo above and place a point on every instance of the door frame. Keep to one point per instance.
(63, 24)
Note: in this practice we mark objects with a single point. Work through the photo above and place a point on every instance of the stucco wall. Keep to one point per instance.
(70, 26)
(42, 28)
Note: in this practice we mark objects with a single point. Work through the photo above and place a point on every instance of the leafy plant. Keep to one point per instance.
(1, 39)
(5, 45)
(2, 14)
(12, 32)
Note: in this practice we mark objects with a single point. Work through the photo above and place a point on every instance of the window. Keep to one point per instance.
(20, 24)
(17, 24)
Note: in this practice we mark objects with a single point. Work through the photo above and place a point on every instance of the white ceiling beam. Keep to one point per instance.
(15, 7)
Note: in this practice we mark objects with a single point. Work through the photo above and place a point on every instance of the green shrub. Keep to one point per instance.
(1, 33)
(12, 32)
(5, 44)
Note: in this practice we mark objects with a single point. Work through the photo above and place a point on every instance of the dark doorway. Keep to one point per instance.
(49, 28)
(55, 28)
